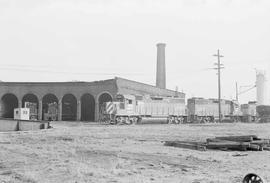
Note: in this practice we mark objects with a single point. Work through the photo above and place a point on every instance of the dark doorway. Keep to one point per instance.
(87, 107)
(49, 107)
(8, 103)
(105, 97)
(69, 108)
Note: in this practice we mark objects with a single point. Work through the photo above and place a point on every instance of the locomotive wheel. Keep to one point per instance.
(174, 120)
(128, 120)
(170, 121)
(117, 120)
(112, 122)
(135, 120)
(252, 178)
(180, 120)
(139, 120)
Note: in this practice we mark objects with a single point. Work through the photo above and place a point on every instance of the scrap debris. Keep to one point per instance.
(238, 143)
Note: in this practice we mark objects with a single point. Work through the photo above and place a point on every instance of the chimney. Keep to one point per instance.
(161, 69)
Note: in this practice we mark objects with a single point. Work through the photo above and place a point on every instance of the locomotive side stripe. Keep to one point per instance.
(109, 107)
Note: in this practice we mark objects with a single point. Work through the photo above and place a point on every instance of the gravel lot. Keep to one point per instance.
(87, 152)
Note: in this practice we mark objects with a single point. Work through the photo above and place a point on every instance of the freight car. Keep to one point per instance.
(206, 110)
(248, 112)
(263, 112)
(128, 109)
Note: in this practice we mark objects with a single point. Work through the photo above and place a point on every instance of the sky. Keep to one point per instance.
(70, 40)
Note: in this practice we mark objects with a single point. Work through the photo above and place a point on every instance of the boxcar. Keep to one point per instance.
(206, 110)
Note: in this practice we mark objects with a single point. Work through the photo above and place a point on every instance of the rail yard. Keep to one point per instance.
(149, 120)
(134, 91)
(96, 151)
(83, 152)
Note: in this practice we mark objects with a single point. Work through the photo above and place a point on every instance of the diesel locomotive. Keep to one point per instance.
(129, 109)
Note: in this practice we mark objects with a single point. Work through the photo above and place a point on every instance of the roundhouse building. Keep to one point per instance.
(74, 100)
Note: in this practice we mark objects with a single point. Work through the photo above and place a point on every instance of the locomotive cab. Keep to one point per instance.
(126, 105)
(122, 110)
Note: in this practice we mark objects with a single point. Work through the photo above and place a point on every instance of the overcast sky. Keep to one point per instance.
(87, 40)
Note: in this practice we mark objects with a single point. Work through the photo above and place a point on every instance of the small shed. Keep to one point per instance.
(22, 113)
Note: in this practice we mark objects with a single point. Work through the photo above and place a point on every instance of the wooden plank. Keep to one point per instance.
(242, 146)
(218, 140)
(255, 147)
(266, 148)
(245, 138)
(185, 145)
(213, 140)
(261, 142)
(190, 142)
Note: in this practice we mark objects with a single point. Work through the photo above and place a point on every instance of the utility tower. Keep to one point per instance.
(219, 66)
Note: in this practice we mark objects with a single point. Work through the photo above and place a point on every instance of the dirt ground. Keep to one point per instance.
(81, 152)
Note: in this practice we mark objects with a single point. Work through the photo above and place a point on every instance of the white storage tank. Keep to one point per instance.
(22, 113)
(261, 88)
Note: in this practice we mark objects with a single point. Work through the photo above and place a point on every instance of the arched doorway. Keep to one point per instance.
(105, 97)
(8, 103)
(49, 107)
(69, 108)
(87, 107)
(31, 101)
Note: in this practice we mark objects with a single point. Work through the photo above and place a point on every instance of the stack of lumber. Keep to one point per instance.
(186, 145)
(239, 143)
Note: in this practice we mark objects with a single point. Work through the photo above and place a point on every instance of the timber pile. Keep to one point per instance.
(238, 143)
(187, 145)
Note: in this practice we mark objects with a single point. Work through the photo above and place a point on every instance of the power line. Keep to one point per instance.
(242, 92)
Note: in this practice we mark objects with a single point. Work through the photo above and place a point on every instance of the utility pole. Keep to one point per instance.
(219, 66)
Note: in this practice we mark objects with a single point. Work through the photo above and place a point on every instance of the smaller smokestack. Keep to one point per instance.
(161, 69)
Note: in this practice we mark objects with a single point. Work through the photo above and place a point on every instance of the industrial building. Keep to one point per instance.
(76, 101)
(79, 101)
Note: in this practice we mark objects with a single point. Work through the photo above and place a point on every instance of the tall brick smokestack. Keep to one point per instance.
(161, 69)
